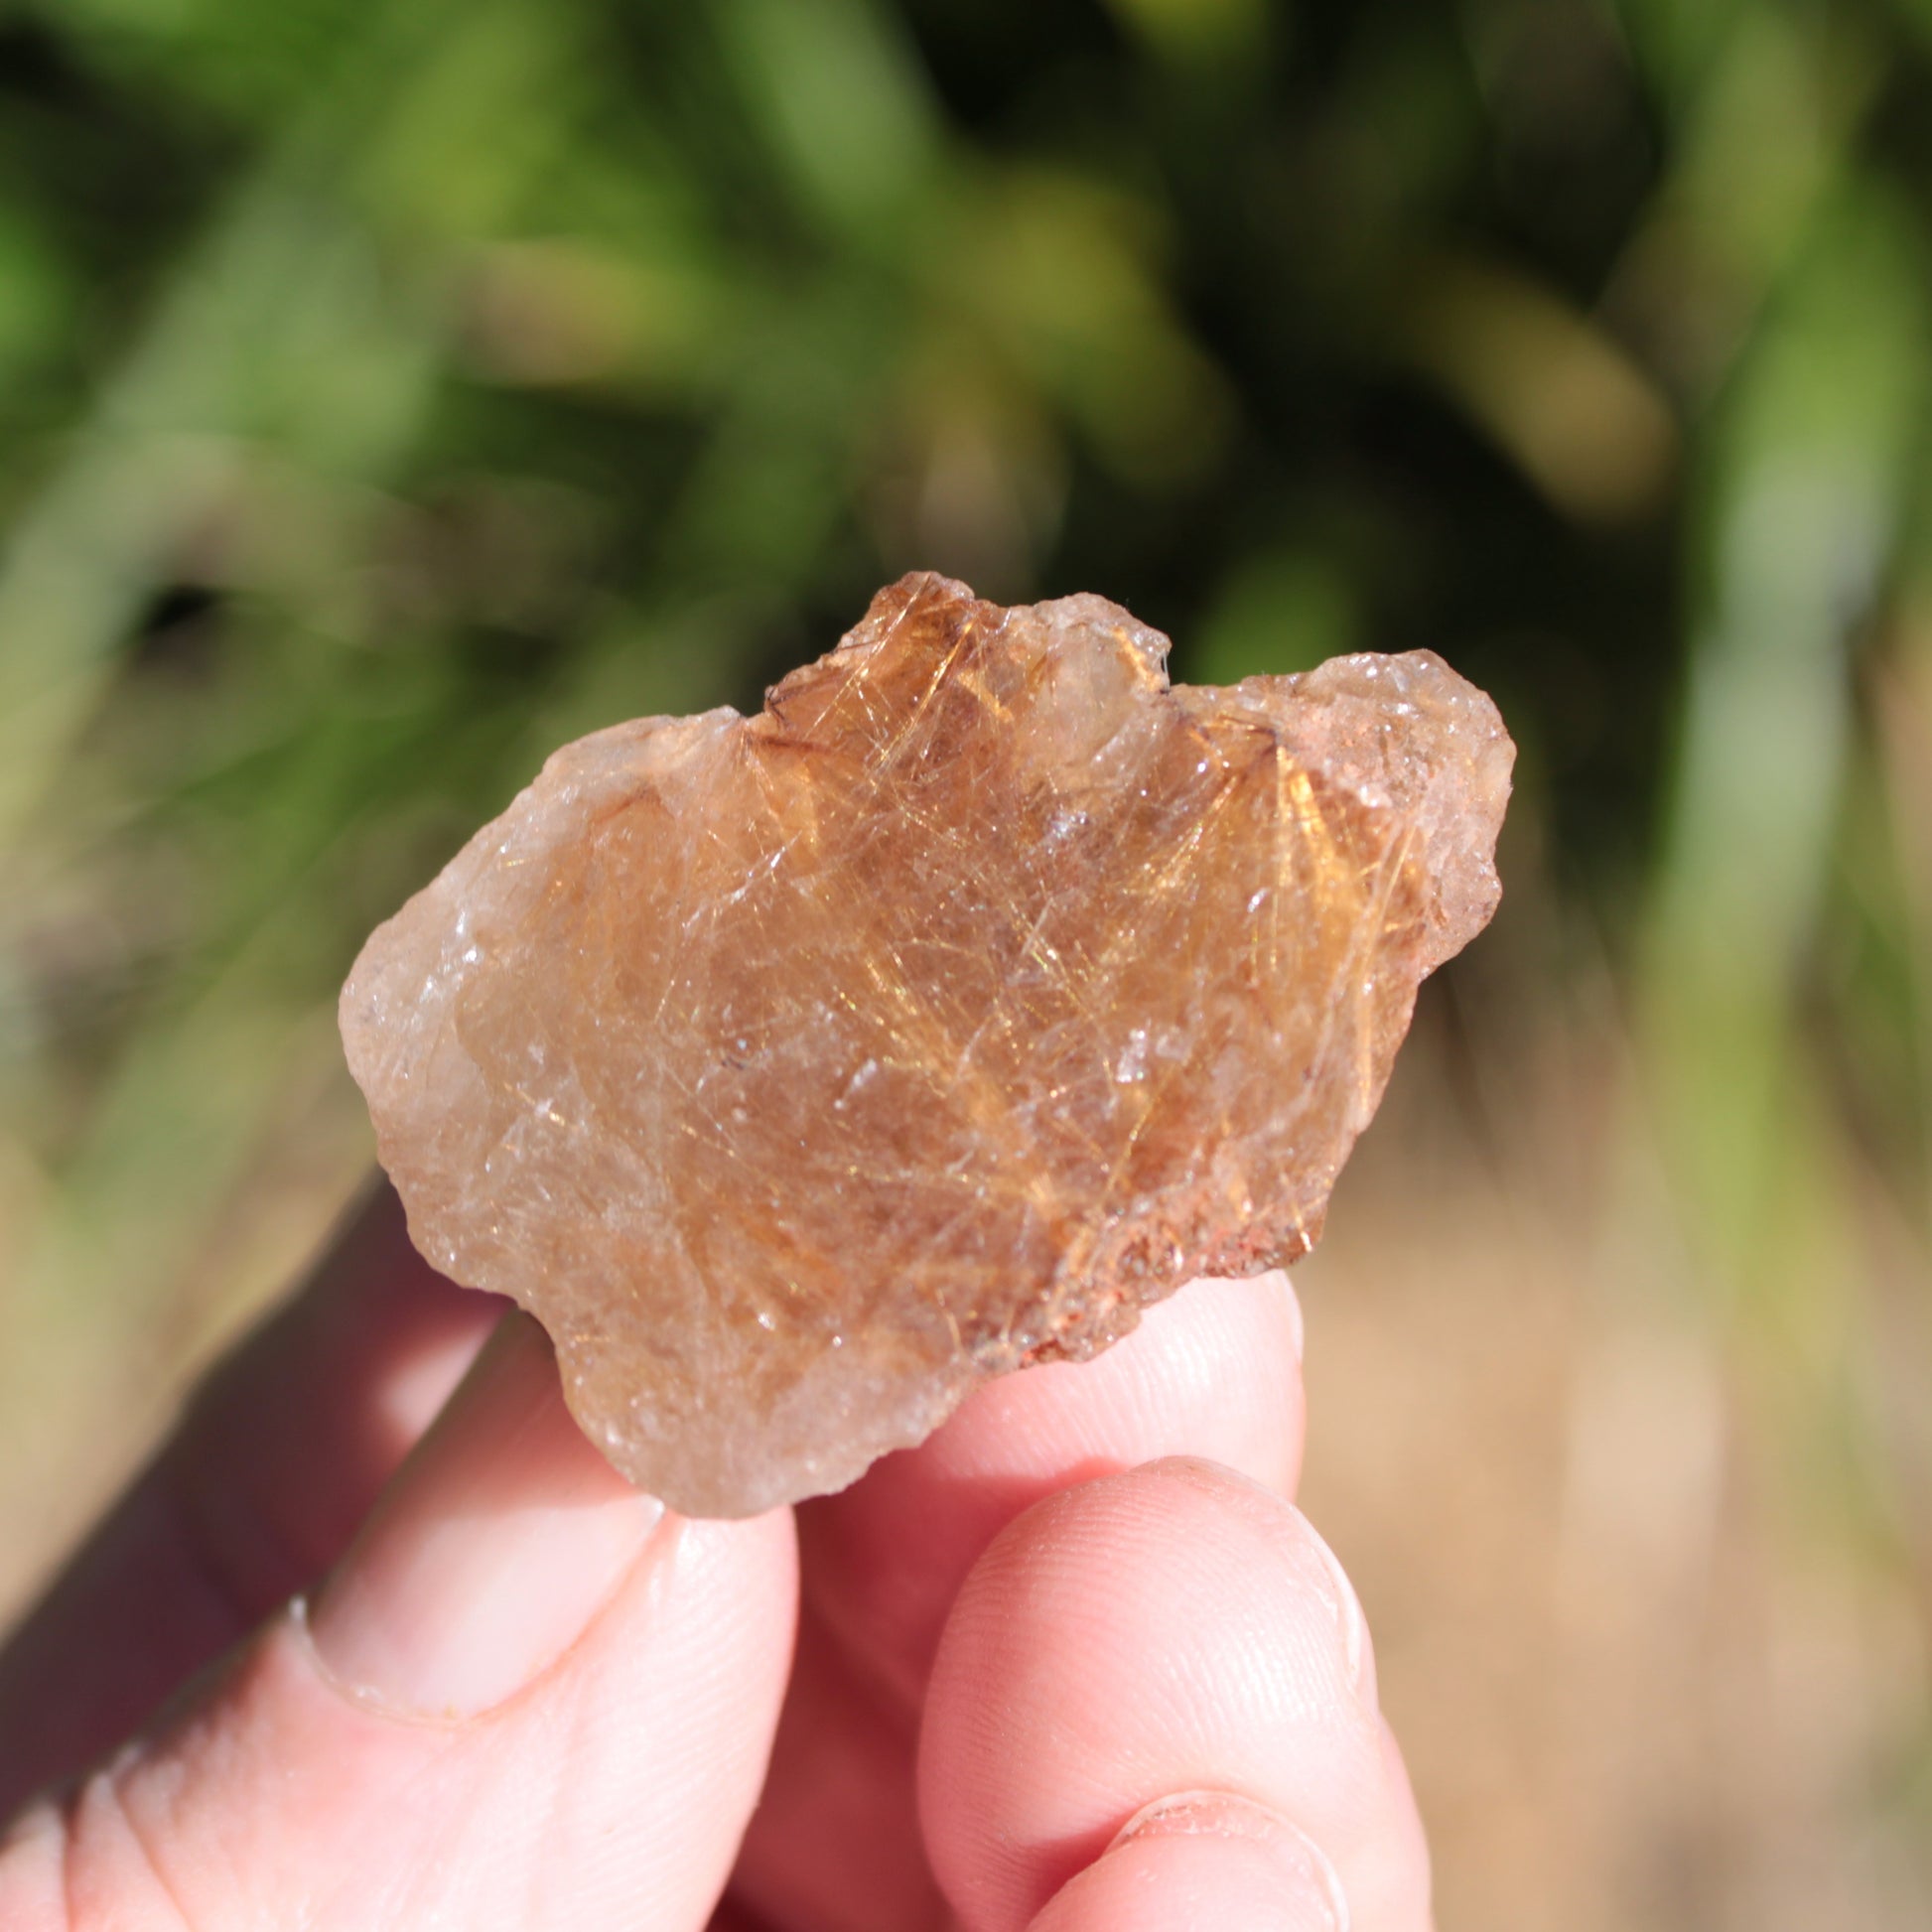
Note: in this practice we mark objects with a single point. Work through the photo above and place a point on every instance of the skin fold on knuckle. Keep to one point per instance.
(33, 1871)
(80, 1864)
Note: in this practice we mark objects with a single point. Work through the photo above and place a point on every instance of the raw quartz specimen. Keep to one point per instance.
(799, 1072)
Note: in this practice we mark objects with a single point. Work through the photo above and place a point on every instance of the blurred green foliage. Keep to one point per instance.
(392, 388)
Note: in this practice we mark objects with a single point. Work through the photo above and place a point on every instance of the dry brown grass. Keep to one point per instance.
(1640, 1681)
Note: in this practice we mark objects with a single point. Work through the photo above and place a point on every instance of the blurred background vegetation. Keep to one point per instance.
(391, 389)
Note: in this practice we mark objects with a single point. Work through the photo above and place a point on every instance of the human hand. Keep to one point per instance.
(1042, 1676)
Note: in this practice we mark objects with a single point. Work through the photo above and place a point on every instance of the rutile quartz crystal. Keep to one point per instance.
(802, 1071)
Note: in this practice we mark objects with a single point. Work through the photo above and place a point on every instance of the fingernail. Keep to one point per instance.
(1298, 1335)
(1223, 1814)
(1339, 1594)
(491, 1551)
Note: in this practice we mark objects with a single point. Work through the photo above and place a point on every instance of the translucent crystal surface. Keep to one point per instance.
(800, 1071)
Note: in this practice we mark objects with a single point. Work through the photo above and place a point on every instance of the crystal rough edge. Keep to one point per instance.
(802, 1071)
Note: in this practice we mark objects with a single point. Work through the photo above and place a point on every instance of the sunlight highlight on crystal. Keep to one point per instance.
(802, 1071)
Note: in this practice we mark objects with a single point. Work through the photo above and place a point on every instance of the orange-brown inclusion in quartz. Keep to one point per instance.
(802, 1071)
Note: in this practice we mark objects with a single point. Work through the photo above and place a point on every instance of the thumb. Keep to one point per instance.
(526, 1698)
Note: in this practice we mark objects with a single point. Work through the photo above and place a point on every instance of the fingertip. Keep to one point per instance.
(1232, 1489)
(1175, 1627)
